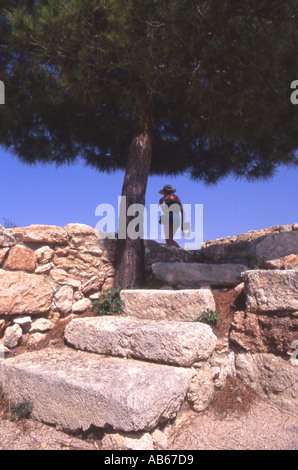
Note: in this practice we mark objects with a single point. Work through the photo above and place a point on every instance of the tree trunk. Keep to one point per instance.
(130, 267)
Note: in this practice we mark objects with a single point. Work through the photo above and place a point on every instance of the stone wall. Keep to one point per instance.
(255, 248)
(49, 272)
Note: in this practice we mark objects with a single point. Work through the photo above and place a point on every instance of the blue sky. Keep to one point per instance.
(70, 194)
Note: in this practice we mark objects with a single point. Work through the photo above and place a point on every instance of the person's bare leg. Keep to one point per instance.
(171, 241)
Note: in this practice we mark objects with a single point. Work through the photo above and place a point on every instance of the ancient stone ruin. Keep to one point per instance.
(132, 372)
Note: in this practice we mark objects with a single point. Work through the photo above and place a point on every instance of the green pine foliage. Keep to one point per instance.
(214, 76)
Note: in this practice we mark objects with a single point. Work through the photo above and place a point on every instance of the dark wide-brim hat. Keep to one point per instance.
(167, 189)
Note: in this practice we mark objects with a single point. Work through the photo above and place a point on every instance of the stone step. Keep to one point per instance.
(174, 305)
(195, 275)
(75, 389)
(168, 342)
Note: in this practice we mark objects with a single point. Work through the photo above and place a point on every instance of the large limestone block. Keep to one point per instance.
(24, 293)
(180, 343)
(194, 275)
(270, 376)
(271, 290)
(48, 234)
(178, 305)
(75, 389)
(276, 245)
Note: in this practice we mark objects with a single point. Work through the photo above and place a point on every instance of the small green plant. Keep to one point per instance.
(210, 317)
(109, 302)
(21, 411)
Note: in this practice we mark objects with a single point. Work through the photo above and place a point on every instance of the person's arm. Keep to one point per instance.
(161, 201)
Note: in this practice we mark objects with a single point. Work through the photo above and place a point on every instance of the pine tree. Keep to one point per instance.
(152, 87)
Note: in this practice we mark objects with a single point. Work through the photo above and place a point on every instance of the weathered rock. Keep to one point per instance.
(82, 305)
(24, 293)
(6, 238)
(91, 277)
(233, 250)
(269, 290)
(44, 268)
(92, 284)
(245, 332)
(24, 323)
(178, 305)
(127, 395)
(109, 283)
(20, 258)
(223, 366)
(63, 263)
(159, 252)
(132, 441)
(194, 275)
(60, 276)
(270, 376)
(180, 343)
(275, 246)
(239, 288)
(201, 390)
(287, 262)
(35, 338)
(47, 234)
(12, 336)
(44, 255)
(63, 299)
(79, 230)
(41, 325)
(160, 440)
(264, 333)
(85, 237)
(90, 259)
(61, 251)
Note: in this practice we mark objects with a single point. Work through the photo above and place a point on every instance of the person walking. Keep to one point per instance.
(171, 207)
